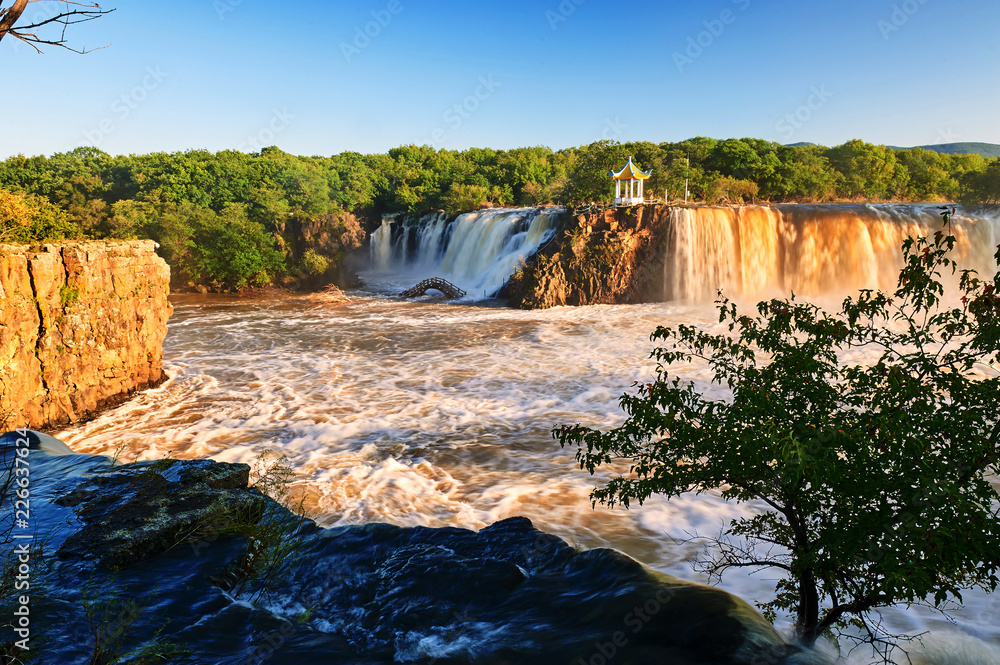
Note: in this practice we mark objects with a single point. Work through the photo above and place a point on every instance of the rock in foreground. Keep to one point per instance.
(264, 585)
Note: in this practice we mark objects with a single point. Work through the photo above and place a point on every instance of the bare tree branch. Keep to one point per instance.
(71, 14)
(9, 16)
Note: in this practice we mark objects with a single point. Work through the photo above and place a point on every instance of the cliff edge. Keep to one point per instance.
(81, 328)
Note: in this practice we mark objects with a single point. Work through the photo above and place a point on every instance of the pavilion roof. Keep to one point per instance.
(630, 172)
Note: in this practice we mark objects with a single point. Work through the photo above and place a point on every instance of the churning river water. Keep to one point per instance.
(435, 413)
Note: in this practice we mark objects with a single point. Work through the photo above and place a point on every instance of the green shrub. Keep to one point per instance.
(314, 264)
(68, 295)
(232, 253)
(27, 218)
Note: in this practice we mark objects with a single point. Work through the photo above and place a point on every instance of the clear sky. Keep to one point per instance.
(318, 78)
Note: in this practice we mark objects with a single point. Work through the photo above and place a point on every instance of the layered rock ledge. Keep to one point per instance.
(81, 328)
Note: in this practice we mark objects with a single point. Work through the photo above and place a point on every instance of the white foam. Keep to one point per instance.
(948, 647)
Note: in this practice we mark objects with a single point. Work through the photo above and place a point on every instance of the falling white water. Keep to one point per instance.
(478, 251)
(381, 243)
(760, 251)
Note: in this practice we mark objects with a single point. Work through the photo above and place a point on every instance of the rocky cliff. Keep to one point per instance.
(603, 257)
(318, 250)
(81, 328)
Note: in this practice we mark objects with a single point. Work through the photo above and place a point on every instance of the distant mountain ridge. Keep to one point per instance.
(962, 148)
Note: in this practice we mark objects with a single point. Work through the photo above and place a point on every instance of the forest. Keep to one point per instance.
(230, 221)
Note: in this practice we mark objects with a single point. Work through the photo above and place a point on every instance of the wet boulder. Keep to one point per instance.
(373, 593)
(140, 510)
(510, 593)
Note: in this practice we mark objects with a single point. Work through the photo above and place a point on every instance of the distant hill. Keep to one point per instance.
(964, 148)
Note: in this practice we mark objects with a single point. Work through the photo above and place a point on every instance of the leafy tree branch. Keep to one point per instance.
(875, 473)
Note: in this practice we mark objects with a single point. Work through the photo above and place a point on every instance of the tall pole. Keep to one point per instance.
(687, 172)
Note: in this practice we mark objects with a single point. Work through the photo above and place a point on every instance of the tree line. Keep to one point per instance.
(230, 220)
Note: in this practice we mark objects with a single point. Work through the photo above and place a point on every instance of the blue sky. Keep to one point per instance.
(317, 78)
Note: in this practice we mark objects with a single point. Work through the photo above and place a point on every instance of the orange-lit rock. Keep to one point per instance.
(81, 328)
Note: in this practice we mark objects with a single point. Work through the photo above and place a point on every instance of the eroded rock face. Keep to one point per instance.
(612, 256)
(333, 237)
(81, 328)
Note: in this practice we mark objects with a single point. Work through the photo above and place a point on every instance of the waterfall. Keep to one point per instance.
(478, 251)
(763, 251)
(753, 252)
(381, 244)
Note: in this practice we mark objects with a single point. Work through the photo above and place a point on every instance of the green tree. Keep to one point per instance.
(867, 170)
(463, 198)
(356, 183)
(982, 186)
(874, 473)
(588, 180)
(26, 218)
(735, 158)
(173, 227)
(306, 187)
(232, 253)
(128, 220)
(928, 180)
(804, 174)
(731, 190)
(958, 168)
(687, 161)
(525, 171)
